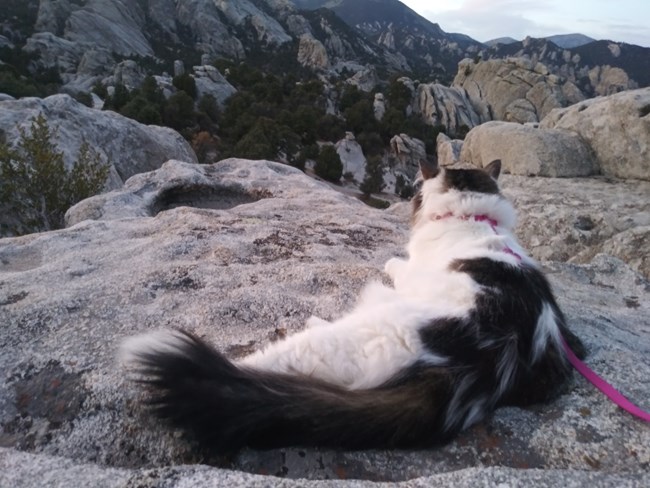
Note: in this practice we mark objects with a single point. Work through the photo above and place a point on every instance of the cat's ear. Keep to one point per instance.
(493, 169)
(428, 170)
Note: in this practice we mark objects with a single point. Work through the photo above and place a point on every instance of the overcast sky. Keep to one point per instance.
(618, 20)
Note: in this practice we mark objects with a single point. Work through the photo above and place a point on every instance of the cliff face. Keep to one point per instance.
(241, 253)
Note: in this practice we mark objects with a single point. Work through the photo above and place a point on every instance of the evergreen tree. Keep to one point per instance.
(35, 188)
(328, 164)
(374, 179)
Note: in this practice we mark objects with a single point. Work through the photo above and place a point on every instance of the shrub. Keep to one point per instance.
(35, 188)
(185, 83)
(374, 179)
(328, 164)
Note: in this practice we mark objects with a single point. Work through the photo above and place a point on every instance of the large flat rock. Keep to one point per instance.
(241, 253)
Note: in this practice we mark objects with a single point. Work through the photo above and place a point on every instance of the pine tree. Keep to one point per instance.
(35, 188)
(328, 164)
(374, 179)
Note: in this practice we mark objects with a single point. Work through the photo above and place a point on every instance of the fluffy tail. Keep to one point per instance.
(227, 407)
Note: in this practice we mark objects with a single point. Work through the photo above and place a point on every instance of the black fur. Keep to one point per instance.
(227, 407)
(470, 180)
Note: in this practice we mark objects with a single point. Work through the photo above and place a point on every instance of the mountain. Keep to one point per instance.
(430, 51)
(569, 41)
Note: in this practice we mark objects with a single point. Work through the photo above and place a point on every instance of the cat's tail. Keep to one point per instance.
(227, 406)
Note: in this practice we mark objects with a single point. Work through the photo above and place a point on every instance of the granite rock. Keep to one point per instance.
(130, 147)
(526, 150)
(241, 253)
(616, 127)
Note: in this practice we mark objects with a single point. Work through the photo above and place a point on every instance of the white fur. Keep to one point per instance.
(161, 341)
(546, 330)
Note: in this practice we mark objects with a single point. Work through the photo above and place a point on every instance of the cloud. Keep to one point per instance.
(489, 19)
(484, 22)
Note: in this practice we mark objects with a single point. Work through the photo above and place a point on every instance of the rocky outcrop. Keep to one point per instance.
(365, 79)
(449, 107)
(312, 53)
(616, 127)
(115, 25)
(608, 81)
(352, 157)
(514, 89)
(209, 81)
(529, 151)
(244, 12)
(127, 73)
(408, 153)
(598, 67)
(129, 146)
(241, 253)
(448, 150)
(379, 106)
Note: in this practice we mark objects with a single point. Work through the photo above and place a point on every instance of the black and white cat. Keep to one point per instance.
(470, 324)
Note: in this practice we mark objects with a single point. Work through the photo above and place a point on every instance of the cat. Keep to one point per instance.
(469, 325)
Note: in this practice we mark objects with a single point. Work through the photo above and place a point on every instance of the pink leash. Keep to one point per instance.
(611, 392)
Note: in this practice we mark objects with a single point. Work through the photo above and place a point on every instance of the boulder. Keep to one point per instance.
(365, 79)
(515, 89)
(210, 81)
(608, 80)
(128, 73)
(408, 153)
(616, 127)
(379, 106)
(129, 146)
(352, 157)
(525, 150)
(448, 150)
(241, 253)
(312, 53)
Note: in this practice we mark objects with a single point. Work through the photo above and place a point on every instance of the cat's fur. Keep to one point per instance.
(470, 324)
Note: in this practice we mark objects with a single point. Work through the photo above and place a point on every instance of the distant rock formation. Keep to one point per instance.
(352, 157)
(449, 107)
(241, 253)
(514, 89)
(604, 135)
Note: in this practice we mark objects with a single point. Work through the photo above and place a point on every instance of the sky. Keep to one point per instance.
(617, 20)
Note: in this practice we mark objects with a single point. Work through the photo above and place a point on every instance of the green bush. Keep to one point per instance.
(374, 179)
(35, 188)
(185, 83)
(328, 164)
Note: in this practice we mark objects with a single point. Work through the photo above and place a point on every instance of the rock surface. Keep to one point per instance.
(529, 151)
(129, 146)
(616, 127)
(236, 253)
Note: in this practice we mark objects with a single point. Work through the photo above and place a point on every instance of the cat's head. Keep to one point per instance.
(441, 182)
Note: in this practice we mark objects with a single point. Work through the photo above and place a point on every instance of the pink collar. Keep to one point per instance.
(479, 218)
